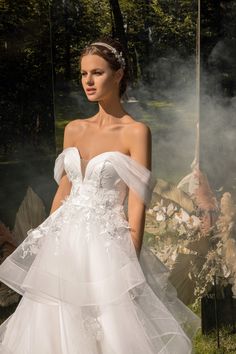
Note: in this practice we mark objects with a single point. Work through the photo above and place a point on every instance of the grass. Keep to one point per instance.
(207, 344)
(160, 104)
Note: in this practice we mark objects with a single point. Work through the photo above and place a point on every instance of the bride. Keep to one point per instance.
(88, 284)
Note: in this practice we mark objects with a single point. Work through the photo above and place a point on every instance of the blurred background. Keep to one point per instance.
(188, 104)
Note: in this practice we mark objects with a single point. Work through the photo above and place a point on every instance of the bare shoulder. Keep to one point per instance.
(74, 124)
(138, 131)
(72, 131)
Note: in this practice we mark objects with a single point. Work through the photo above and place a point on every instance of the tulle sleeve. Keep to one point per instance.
(59, 167)
(137, 177)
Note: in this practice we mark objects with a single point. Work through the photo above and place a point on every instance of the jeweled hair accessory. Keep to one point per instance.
(118, 55)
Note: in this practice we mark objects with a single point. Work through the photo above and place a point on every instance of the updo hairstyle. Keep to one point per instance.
(110, 57)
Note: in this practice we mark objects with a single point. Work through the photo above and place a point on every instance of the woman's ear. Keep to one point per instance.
(119, 74)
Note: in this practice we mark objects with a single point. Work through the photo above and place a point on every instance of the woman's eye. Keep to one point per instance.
(83, 74)
(98, 73)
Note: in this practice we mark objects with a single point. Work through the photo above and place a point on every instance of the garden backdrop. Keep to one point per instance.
(182, 84)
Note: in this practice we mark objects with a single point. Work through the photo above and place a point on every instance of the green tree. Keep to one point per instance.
(27, 104)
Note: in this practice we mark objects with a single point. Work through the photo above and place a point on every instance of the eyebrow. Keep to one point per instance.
(93, 69)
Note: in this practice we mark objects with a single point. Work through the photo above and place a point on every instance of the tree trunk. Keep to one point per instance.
(119, 23)
(67, 44)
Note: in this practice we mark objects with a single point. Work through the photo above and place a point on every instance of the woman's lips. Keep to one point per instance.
(90, 91)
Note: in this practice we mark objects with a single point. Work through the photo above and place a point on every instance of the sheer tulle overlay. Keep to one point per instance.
(84, 289)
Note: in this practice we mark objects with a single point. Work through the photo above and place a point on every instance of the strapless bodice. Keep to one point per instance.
(107, 174)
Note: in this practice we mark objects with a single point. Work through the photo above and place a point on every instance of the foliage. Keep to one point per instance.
(41, 43)
(26, 76)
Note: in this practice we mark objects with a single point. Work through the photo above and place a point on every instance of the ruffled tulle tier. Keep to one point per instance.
(84, 290)
(122, 327)
(76, 258)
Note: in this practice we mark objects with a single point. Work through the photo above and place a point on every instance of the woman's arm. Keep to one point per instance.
(62, 191)
(64, 187)
(140, 150)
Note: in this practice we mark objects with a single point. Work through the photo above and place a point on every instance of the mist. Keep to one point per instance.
(171, 111)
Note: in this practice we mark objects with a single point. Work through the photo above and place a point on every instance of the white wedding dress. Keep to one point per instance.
(84, 289)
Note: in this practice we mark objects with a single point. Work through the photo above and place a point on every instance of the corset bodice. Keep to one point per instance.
(103, 179)
(94, 180)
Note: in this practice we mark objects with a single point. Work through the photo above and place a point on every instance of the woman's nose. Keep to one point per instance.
(89, 80)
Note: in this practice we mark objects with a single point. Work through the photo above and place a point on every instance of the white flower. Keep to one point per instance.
(182, 216)
(160, 217)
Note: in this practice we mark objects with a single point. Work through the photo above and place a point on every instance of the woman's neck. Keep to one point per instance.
(108, 111)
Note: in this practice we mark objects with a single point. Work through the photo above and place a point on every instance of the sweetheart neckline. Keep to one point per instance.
(92, 159)
(102, 153)
(99, 155)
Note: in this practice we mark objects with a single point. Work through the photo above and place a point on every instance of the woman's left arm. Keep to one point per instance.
(141, 151)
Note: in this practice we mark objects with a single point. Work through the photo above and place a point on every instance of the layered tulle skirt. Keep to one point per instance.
(85, 291)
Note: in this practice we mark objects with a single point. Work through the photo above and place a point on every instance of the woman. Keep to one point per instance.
(88, 285)
(104, 78)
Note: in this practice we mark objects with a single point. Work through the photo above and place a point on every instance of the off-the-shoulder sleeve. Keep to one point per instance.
(59, 167)
(67, 160)
(137, 177)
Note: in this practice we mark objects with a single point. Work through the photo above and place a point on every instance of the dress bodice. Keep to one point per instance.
(110, 173)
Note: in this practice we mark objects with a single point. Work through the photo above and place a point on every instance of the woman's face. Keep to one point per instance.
(99, 81)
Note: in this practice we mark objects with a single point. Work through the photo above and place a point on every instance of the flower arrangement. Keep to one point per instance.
(195, 241)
